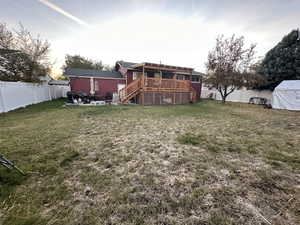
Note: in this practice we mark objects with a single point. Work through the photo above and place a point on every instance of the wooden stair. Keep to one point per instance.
(130, 91)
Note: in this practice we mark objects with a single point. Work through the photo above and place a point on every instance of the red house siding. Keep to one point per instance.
(104, 85)
(107, 86)
(80, 84)
(197, 87)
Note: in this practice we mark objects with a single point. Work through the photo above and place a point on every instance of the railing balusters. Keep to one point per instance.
(155, 84)
(167, 84)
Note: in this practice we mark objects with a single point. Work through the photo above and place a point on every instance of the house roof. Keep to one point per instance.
(126, 64)
(181, 69)
(75, 72)
(148, 65)
(194, 73)
(289, 85)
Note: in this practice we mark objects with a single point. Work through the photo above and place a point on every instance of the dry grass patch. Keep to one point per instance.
(205, 163)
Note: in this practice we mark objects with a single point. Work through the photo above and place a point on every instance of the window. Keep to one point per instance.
(157, 75)
(167, 75)
(195, 79)
(150, 74)
(137, 75)
(134, 75)
(179, 77)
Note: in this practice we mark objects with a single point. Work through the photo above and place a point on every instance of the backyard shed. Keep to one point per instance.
(287, 95)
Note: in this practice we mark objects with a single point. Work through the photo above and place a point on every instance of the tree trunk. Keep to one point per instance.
(223, 94)
(224, 99)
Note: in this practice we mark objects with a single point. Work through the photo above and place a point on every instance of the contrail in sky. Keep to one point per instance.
(63, 12)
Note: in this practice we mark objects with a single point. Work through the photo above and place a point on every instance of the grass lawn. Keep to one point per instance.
(205, 163)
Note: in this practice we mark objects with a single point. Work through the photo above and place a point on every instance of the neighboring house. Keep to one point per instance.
(45, 79)
(62, 85)
(142, 83)
(59, 82)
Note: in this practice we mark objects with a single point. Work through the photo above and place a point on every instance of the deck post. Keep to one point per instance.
(180, 98)
(191, 86)
(174, 91)
(160, 79)
(143, 78)
(143, 87)
(153, 98)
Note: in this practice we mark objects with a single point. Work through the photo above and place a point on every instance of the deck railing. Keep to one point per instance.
(130, 89)
(166, 84)
(155, 84)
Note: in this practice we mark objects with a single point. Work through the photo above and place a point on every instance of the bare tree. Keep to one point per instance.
(6, 37)
(229, 65)
(36, 49)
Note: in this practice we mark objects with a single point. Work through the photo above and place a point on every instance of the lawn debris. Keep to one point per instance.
(10, 165)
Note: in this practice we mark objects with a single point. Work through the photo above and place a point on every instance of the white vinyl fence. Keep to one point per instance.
(242, 95)
(14, 95)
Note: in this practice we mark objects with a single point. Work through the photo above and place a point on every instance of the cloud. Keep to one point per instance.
(150, 37)
(63, 12)
(175, 32)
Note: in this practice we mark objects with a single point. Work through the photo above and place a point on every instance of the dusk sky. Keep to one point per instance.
(176, 32)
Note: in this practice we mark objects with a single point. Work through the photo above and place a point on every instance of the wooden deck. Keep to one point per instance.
(155, 90)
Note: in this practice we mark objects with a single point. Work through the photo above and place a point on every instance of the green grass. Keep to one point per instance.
(203, 163)
(189, 139)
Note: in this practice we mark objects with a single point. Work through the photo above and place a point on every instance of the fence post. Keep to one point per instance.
(49, 91)
(1, 97)
(34, 92)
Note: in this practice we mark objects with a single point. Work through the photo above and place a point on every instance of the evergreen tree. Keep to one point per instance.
(80, 62)
(282, 62)
(16, 66)
(23, 57)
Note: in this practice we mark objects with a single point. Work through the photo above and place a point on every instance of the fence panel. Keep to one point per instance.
(14, 95)
(242, 95)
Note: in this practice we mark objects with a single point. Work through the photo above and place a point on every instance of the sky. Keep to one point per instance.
(174, 32)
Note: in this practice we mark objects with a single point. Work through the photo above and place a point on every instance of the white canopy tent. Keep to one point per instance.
(287, 95)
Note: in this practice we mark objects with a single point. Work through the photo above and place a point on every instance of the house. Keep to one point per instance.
(151, 83)
(142, 83)
(95, 82)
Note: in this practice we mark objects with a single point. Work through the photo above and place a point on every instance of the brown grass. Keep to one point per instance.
(205, 163)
